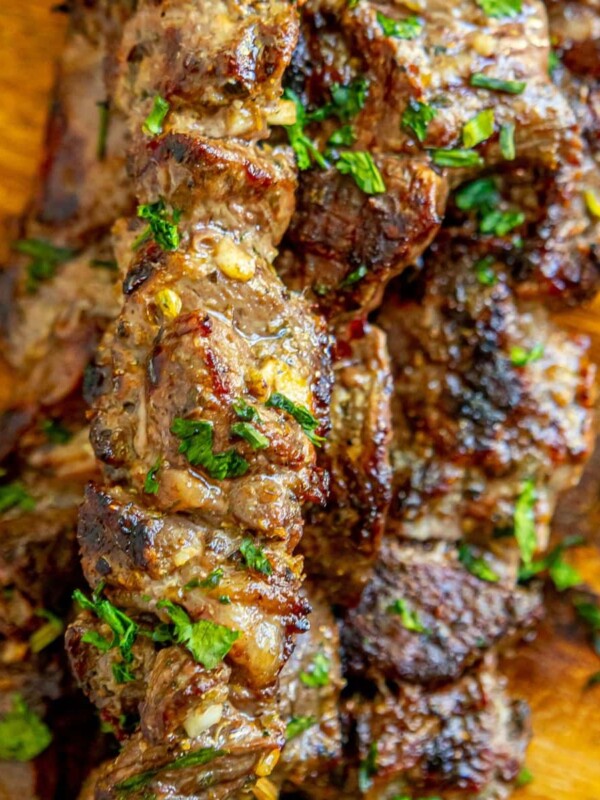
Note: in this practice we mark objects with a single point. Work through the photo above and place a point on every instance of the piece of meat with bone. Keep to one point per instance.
(387, 86)
(207, 405)
(482, 382)
(424, 618)
(463, 741)
(341, 540)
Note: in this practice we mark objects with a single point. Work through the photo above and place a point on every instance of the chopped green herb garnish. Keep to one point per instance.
(160, 227)
(317, 674)
(207, 641)
(417, 117)
(245, 411)
(247, 431)
(481, 81)
(103, 123)
(225, 600)
(197, 446)
(500, 8)
(151, 484)
(520, 357)
(478, 129)
(368, 769)
(343, 137)
(475, 565)
(408, 28)
(562, 574)
(593, 680)
(589, 612)
(480, 194)
(56, 432)
(408, 616)
(45, 260)
(354, 277)
(305, 149)
(153, 124)
(592, 202)
(195, 759)
(14, 495)
(499, 223)
(524, 521)
(122, 672)
(524, 777)
(47, 633)
(212, 580)
(301, 414)
(484, 269)
(298, 725)
(347, 100)
(124, 629)
(456, 158)
(97, 641)
(553, 62)
(23, 735)
(254, 557)
(360, 165)
(507, 141)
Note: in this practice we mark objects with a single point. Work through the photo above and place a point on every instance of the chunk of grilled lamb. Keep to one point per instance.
(482, 382)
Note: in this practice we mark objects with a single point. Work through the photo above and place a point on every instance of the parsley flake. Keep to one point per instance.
(368, 769)
(484, 270)
(56, 432)
(297, 726)
(47, 633)
(347, 100)
(23, 735)
(197, 446)
(360, 165)
(254, 557)
(245, 411)
(212, 580)
(499, 223)
(160, 227)
(343, 137)
(247, 431)
(14, 495)
(524, 521)
(408, 616)
(207, 641)
(524, 777)
(456, 158)
(317, 674)
(500, 8)
(197, 758)
(301, 414)
(408, 28)
(481, 81)
(103, 123)
(520, 357)
(475, 565)
(562, 574)
(305, 149)
(478, 129)
(507, 141)
(153, 124)
(45, 260)
(417, 117)
(354, 277)
(151, 484)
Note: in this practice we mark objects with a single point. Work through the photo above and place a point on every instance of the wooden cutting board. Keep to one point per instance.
(551, 671)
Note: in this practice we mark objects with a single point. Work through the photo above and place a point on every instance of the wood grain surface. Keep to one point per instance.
(549, 672)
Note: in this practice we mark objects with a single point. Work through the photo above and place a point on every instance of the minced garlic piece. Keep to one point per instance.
(234, 261)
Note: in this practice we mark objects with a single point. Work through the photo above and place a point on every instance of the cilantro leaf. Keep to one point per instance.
(408, 616)
(481, 81)
(297, 726)
(14, 495)
(479, 128)
(301, 414)
(197, 446)
(207, 641)
(408, 28)
(524, 521)
(151, 484)
(160, 226)
(500, 8)
(45, 260)
(153, 124)
(23, 735)
(255, 558)
(417, 117)
(475, 565)
(360, 165)
(456, 158)
(247, 431)
(318, 672)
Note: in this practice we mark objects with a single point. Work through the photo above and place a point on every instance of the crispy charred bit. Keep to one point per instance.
(341, 541)
(210, 403)
(425, 619)
(466, 739)
(481, 383)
